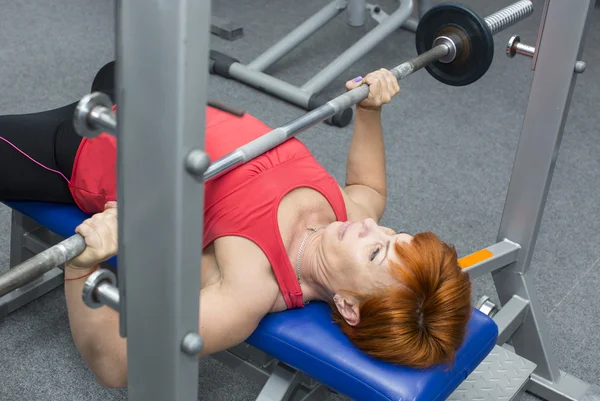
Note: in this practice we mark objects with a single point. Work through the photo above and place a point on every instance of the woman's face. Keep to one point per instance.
(358, 254)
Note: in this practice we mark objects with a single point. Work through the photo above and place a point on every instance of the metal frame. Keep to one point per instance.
(28, 238)
(307, 96)
(559, 46)
(162, 51)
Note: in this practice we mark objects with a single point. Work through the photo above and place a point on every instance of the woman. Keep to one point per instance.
(279, 232)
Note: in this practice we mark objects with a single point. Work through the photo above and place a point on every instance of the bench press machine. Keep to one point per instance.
(294, 366)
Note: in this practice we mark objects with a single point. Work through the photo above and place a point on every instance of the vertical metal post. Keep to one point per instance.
(162, 57)
(554, 79)
(357, 12)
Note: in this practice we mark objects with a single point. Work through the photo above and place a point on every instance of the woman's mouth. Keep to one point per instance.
(343, 228)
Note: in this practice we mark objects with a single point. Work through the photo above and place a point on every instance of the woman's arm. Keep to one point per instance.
(230, 309)
(229, 313)
(96, 333)
(365, 168)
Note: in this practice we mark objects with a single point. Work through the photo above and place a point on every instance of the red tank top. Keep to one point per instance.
(243, 202)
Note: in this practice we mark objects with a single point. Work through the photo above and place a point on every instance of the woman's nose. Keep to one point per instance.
(368, 226)
(369, 222)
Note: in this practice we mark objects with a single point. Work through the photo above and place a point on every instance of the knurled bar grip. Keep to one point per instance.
(93, 115)
(41, 263)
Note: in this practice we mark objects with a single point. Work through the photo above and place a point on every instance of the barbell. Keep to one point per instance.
(453, 43)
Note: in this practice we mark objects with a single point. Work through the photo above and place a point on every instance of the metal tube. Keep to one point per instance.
(41, 263)
(510, 317)
(162, 50)
(103, 119)
(411, 25)
(93, 115)
(297, 36)
(357, 51)
(508, 16)
(270, 84)
(525, 50)
(108, 294)
(357, 12)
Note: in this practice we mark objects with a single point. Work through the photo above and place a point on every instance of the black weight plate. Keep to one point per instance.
(475, 58)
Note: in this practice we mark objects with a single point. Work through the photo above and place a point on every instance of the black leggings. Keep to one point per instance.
(49, 138)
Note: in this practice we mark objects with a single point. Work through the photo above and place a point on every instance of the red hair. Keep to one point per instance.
(422, 321)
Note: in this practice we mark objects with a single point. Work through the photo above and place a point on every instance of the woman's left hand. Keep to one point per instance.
(383, 86)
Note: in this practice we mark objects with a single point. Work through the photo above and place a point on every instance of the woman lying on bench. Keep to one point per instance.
(279, 232)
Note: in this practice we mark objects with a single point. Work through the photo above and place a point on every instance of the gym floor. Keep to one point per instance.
(449, 156)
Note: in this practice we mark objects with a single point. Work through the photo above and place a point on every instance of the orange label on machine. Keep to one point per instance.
(474, 258)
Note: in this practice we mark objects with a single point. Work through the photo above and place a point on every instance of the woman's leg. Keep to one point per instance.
(105, 81)
(50, 139)
(43, 137)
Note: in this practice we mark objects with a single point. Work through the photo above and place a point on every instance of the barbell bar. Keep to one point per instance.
(94, 115)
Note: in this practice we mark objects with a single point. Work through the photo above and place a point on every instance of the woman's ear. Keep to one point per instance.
(348, 307)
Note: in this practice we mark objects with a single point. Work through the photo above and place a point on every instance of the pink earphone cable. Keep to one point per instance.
(33, 160)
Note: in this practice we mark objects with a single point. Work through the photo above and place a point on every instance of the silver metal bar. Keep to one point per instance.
(515, 47)
(30, 292)
(297, 36)
(490, 259)
(41, 263)
(552, 87)
(358, 50)
(162, 53)
(104, 119)
(510, 317)
(279, 135)
(108, 295)
(93, 116)
(508, 16)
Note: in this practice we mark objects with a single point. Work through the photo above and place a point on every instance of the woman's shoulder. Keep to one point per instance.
(355, 211)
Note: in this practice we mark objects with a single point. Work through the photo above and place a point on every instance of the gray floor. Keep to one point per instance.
(450, 153)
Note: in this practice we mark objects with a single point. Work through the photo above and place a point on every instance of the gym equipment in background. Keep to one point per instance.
(308, 96)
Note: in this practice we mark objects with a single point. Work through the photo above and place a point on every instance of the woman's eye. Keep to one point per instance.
(374, 254)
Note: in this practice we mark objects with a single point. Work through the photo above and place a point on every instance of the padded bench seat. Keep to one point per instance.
(309, 341)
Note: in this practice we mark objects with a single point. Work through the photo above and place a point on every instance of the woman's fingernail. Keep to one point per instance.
(358, 79)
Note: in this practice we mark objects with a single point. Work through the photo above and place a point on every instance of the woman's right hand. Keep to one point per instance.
(101, 237)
